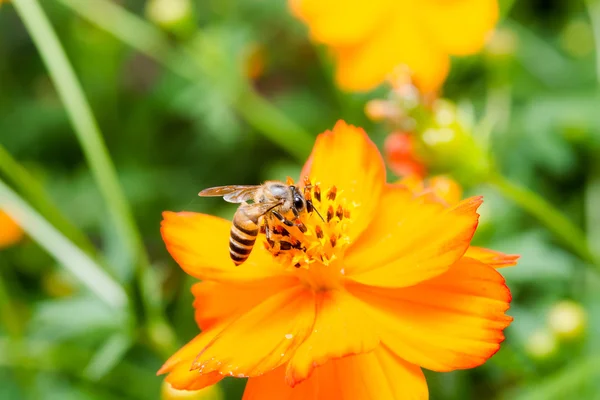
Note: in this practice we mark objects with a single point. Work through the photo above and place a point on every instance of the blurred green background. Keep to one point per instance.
(233, 92)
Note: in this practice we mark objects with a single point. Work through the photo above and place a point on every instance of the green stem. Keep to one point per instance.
(145, 38)
(593, 7)
(84, 124)
(592, 211)
(277, 127)
(78, 263)
(571, 235)
(38, 197)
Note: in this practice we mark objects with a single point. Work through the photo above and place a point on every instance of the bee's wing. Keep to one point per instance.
(232, 194)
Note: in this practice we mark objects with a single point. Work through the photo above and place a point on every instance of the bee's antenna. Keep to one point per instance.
(318, 213)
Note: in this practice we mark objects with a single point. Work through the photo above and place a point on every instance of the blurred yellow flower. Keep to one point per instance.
(369, 40)
(10, 232)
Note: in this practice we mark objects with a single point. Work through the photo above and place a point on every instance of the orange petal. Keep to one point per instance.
(340, 22)
(411, 239)
(10, 232)
(378, 374)
(492, 258)
(340, 329)
(181, 376)
(216, 302)
(347, 158)
(399, 41)
(200, 245)
(458, 27)
(263, 338)
(453, 321)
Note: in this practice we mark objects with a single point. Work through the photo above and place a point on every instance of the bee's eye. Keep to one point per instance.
(299, 203)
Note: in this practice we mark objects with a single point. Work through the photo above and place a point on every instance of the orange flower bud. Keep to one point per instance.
(255, 62)
(401, 156)
(10, 232)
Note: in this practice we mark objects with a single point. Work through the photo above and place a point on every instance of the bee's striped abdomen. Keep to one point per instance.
(242, 238)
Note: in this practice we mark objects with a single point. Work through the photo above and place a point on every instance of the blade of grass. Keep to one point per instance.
(108, 356)
(84, 124)
(87, 131)
(73, 259)
(146, 38)
(35, 193)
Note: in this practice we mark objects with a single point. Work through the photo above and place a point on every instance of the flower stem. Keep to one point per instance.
(593, 8)
(592, 211)
(570, 234)
(259, 113)
(35, 193)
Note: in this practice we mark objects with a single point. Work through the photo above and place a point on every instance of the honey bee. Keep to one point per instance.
(271, 198)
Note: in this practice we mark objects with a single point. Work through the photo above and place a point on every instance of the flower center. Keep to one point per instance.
(315, 245)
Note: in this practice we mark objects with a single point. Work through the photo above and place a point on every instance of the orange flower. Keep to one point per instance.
(369, 40)
(10, 232)
(362, 300)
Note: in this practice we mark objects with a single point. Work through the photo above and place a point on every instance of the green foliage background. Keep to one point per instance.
(177, 114)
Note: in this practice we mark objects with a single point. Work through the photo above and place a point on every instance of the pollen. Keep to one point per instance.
(319, 236)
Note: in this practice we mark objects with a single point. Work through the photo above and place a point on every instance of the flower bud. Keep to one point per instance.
(175, 16)
(401, 156)
(57, 283)
(541, 345)
(382, 110)
(449, 147)
(446, 189)
(502, 44)
(212, 392)
(10, 232)
(567, 319)
(255, 62)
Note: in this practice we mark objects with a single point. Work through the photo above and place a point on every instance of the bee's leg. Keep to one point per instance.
(287, 222)
(281, 218)
(264, 228)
